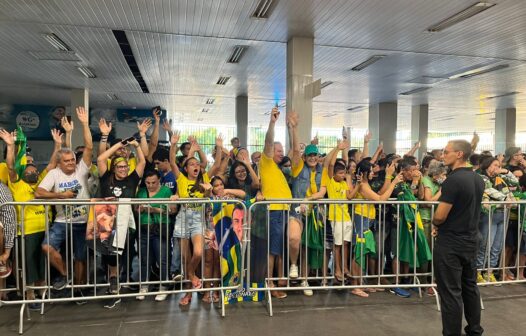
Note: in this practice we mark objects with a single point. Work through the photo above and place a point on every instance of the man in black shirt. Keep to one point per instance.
(456, 246)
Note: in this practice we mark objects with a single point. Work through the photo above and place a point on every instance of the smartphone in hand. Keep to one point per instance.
(127, 141)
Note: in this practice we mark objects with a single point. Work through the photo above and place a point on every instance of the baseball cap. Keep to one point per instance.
(311, 149)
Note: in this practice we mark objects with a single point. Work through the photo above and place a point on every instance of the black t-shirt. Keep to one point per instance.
(463, 188)
(514, 168)
(126, 188)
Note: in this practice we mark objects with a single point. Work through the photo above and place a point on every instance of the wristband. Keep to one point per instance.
(103, 138)
(389, 177)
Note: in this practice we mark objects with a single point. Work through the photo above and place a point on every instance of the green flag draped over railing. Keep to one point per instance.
(20, 147)
(312, 237)
(409, 219)
(364, 245)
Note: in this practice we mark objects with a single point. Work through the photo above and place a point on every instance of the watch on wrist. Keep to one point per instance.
(413, 187)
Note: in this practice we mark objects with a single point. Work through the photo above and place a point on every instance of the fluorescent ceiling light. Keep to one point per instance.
(86, 72)
(205, 110)
(263, 9)
(484, 71)
(112, 96)
(356, 108)
(417, 90)
(325, 84)
(504, 95)
(368, 62)
(426, 80)
(56, 42)
(222, 80)
(237, 53)
(210, 101)
(460, 16)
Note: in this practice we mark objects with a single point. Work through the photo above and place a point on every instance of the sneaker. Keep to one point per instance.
(61, 282)
(492, 279)
(34, 306)
(112, 303)
(177, 277)
(78, 293)
(400, 292)
(5, 270)
(293, 272)
(480, 278)
(161, 297)
(306, 292)
(114, 285)
(143, 290)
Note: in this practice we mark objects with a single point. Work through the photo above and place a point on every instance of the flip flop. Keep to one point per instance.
(360, 293)
(207, 298)
(197, 283)
(215, 298)
(185, 300)
(278, 294)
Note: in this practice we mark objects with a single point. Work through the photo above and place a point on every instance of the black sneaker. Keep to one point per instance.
(61, 283)
(78, 293)
(112, 303)
(114, 285)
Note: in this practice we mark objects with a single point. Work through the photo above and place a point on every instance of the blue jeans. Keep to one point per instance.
(175, 265)
(494, 237)
(57, 236)
(154, 249)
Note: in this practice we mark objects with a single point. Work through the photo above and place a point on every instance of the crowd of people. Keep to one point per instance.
(183, 242)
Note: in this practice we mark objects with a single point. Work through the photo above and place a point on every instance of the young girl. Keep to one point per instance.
(189, 221)
(222, 214)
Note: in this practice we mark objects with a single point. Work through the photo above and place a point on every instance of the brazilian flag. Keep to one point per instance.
(312, 237)
(521, 196)
(365, 245)
(20, 155)
(409, 220)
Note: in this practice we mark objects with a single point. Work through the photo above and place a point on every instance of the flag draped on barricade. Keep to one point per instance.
(409, 221)
(365, 245)
(312, 238)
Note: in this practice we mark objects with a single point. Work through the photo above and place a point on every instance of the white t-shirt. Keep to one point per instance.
(57, 181)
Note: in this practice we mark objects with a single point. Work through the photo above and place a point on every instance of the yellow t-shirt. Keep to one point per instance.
(364, 210)
(273, 182)
(34, 215)
(338, 191)
(184, 186)
(313, 188)
(4, 173)
(132, 163)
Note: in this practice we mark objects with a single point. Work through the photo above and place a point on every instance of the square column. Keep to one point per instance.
(505, 125)
(300, 55)
(382, 125)
(419, 127)
(79, 97)
(242, 120)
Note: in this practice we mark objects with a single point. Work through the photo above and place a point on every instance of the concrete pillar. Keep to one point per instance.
(242, 120)
(419, 127)
(79, 97)
(300, 55)
(505, 125)
(382, 125)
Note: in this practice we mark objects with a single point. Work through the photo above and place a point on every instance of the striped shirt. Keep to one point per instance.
(7, 216)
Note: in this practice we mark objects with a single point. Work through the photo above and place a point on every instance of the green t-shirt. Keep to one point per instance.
(155, 218)
(427, 182)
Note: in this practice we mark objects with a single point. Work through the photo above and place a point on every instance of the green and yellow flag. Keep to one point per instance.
(20, 155)
(364, 245)
(312, 237)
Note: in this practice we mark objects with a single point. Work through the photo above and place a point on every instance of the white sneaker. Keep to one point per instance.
(143, 290)
(293, 271)
(161, 297)
(306, 292)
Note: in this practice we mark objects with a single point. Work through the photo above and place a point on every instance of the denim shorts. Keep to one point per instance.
(57, 236)
(188, 223)
(277, 225)
(360, 225)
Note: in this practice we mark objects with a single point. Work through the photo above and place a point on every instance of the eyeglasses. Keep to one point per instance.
(122, 167)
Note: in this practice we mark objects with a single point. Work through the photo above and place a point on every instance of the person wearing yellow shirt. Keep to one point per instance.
(273, 186)
(31, 218)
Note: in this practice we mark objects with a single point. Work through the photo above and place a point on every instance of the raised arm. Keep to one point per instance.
(413, 149)
(345, 154)
(57, 139)
(143, 128)
(102, 159)
(292, 122)
(330, 160)
(237, 193)
(174, 139)
(9, 139)
(474, 141)
(366, 138)
(378, 151)
(367, 192)
(87, 156)
(154, 138)
(141, 160)
(268, 150)
(105, 130)
(253, 175)
(68, 127)
(217, 158)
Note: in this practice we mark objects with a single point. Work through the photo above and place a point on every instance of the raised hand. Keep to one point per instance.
(174, 139)
(144, 126)
(367, 137)
(315, 140)
(82, 114)
(390, 169)
(156, 112)
(274, 115)
(398, 178)
(500, 157)
(292, 119)
(206, 186)
(167, 125)
(191, 139)
(104, 127)
(417, 144)
(66, 125)
(134, 143)
(219, 140)
(57, 137)
(343, 144)
(8, 138)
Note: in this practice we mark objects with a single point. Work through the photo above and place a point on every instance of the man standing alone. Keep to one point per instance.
(456, 219)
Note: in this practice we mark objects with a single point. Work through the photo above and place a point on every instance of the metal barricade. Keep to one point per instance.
(123, 255)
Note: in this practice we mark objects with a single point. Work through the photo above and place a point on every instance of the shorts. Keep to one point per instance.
(276, 230)
(341, 231)
(361, 224)
(57, 236)
(512, 236)
(35, 263)
(188, 223)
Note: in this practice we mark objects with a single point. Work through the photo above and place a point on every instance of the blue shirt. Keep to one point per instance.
(169, 181)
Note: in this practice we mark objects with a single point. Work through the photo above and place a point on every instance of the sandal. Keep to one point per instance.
(278, 294)
(430, 291)
(370, 290)
(197, 283)
(185, 300)
(359, 292)
(215, 297)
(207, 298)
